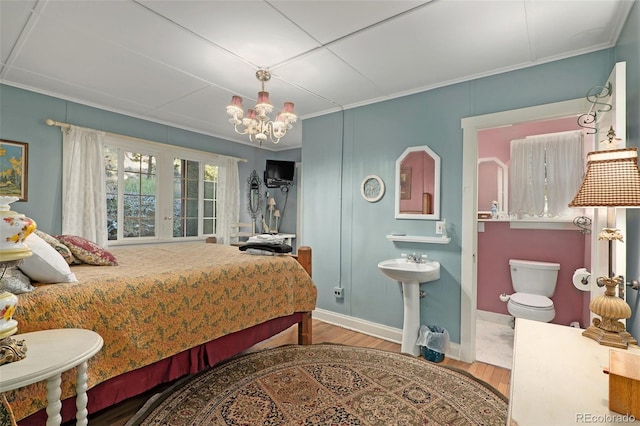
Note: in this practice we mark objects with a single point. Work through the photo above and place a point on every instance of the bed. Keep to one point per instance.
(165, 311)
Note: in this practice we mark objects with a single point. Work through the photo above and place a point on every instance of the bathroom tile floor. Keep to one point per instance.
(494, 343)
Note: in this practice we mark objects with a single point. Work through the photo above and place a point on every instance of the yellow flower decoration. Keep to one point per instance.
(8, 312)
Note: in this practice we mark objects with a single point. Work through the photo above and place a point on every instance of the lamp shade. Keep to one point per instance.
(236, 102)
(263, 98)
(612, 179)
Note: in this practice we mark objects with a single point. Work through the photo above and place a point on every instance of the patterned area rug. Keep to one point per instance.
(326, 385)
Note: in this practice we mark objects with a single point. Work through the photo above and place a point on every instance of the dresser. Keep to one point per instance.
(557, 377)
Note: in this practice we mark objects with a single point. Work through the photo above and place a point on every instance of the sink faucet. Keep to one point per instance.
(416, 258)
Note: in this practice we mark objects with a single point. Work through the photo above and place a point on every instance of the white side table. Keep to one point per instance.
(49, 354)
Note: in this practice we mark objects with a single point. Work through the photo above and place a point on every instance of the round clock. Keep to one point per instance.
(372, 188)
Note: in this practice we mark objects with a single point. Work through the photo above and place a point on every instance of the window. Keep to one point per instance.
(142, 207)
(545, 173)
(194, 184)
(138, 184)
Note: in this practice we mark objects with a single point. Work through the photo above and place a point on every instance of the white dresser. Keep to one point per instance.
(557, 377)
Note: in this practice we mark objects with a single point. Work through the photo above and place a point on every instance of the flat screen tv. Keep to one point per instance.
(279, 173)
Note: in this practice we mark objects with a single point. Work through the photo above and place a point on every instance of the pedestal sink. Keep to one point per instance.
(410, 274)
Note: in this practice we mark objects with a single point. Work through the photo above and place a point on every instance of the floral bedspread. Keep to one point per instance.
(160, 300)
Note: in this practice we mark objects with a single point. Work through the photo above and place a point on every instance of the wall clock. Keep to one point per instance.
(372, 188)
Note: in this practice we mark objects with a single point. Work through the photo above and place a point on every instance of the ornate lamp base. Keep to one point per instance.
(609, 330)
(617, 339)
(12, 350)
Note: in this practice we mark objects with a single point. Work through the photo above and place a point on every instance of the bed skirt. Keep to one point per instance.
(191, 361)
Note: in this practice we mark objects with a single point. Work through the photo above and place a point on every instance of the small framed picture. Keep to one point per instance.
(405, 183)
(14, 157)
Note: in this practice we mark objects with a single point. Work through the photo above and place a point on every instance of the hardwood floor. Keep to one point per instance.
(322, 333)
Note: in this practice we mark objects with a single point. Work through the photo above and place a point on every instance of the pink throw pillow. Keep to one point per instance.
(87, 251)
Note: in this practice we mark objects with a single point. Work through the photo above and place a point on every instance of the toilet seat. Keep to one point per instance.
(532, 306)
(533, 301)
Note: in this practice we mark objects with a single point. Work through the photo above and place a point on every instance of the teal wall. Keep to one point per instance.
(628, 50)
(22, 118)
(348, 234)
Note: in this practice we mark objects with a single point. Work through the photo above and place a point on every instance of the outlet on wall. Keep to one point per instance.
(338, 292)
(440, 227)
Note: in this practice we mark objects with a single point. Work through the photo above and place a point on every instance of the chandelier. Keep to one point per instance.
(257, 123)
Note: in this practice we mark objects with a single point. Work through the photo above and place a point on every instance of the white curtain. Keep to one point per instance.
(551, 164)
(84, 200)
(527, 178)
(229, 192)
(565, 169)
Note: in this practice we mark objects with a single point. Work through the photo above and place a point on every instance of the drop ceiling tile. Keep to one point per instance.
(143, 32)
(327, 21)
(13, 17)
(74, 93)
(253, 30)
(323, 73)
(100, 66)
(558, 27)
(442, 42)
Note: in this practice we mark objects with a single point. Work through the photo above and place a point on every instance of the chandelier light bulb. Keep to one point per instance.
(257, 123)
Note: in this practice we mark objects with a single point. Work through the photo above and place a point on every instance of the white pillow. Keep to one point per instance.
(45, 265)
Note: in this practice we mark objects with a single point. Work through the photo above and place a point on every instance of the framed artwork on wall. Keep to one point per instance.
(405, 183)
(372, 188)
(14, 158)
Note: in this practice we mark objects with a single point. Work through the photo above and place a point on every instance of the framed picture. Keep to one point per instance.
(14, 158)
(372, 188)
(405, 183)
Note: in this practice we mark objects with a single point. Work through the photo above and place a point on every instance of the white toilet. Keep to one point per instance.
(534, 283)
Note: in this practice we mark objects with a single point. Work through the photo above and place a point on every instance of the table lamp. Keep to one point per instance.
(14, 229)
(612, 180)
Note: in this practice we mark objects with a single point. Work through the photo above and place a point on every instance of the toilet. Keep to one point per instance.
(534, 283)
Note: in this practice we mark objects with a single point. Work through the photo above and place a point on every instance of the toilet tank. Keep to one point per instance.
(529, 276)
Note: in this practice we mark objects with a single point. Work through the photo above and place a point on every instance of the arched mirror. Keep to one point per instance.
(418, 184)
(254, 205)
(493, 185)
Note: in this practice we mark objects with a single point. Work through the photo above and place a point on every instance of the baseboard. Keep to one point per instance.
(494, 317)
(380, 331)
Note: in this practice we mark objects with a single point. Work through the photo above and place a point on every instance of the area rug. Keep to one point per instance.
(326, 384)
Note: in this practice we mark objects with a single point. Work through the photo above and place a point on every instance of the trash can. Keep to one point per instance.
(434, 342)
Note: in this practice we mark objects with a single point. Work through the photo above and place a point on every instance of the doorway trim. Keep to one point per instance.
(469, 238)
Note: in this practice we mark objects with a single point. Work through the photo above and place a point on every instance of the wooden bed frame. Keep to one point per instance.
(304, 326)
(190, 361)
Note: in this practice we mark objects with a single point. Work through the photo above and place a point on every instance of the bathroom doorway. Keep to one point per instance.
(471, 128)
(615, 117)
(499, 240)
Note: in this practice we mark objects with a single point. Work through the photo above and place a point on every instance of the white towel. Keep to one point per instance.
(266, 238)
(259, 252)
